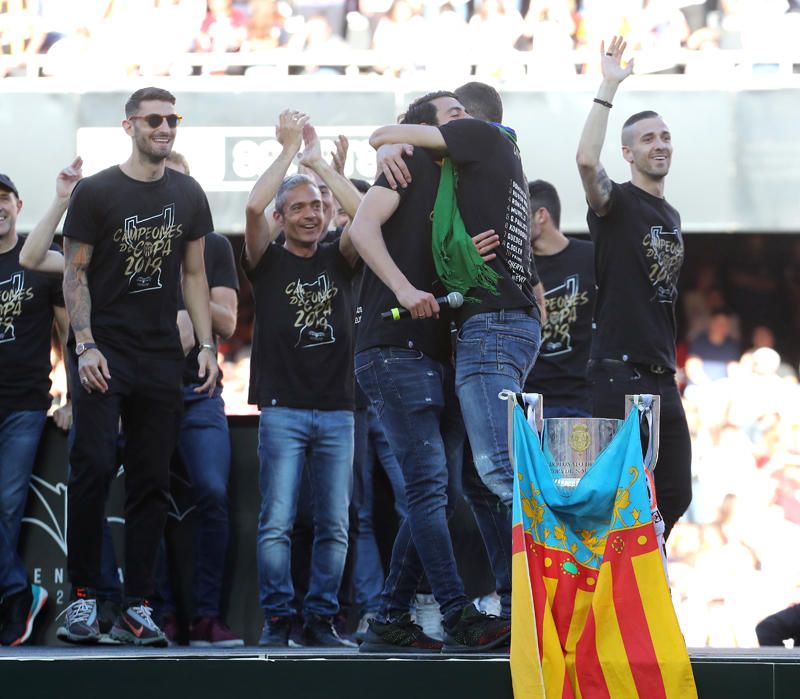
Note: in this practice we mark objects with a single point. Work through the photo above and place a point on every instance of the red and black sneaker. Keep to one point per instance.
(475, 632)
(399, 636)
(135, 625)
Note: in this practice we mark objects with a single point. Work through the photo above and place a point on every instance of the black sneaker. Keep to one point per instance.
(475, 632)
(400, 636)
(80, 619)
(20, 611)
(319, 631)
(275, 633)
(135, 625)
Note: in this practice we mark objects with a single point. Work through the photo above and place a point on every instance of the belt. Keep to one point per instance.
(652, 368)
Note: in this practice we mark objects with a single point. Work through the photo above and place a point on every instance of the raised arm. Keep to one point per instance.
(596, 182)
(420, 135)
(365, 234)
(343, 189)
(35, 253)
(258, 233)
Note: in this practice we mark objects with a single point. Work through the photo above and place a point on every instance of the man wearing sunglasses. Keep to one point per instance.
(129, 230)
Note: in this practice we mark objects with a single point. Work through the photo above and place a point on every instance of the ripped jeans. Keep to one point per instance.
(408, 390)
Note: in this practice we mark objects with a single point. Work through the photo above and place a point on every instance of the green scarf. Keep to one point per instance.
(458, 262)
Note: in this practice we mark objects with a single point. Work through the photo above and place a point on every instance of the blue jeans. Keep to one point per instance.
(285, 437)
(20, 433)
(368, 575)
(407, 390)
(204, 447)
(493, 519)
(495, 352)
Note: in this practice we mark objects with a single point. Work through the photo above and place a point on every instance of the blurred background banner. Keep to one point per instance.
(736, 166)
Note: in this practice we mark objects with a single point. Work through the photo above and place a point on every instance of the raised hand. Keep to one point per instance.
(68, 178)
(611, 60)
(289, 130)
(339, 157)
(312, 152)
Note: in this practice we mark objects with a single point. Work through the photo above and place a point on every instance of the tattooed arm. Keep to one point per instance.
(92, 365)
(596, 182)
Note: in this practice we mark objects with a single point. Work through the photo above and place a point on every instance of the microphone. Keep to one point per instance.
(452, 300)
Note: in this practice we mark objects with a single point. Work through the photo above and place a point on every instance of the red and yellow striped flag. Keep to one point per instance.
(592, 615)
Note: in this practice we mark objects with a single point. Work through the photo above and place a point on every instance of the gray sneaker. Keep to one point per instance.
(80, 622)
(136, 626)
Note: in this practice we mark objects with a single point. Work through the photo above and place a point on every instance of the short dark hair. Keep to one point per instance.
(422, 110)
(288, 185)
(639, 116)
(544, 195)
(145, 94)
(635, 118)
(481, 101)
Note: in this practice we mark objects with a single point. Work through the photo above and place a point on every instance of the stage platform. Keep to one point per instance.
(252, 673)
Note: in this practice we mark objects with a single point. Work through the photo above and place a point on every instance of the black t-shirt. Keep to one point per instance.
(26, 320)
(220, 272)
(492, 192)
(302, 354)
(407, 234)
(569, 290)
(638, 258)
(138, 230)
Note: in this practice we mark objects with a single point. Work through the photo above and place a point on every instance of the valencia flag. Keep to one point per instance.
(592, 616)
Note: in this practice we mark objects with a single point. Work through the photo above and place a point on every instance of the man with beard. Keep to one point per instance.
(638, 258)
(130, 231)
(404, 368)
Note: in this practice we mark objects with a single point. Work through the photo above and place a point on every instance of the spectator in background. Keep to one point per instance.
(548, 31)
(265, 27)
(712, 351)
(659, 30)
(493, 31)
(779, 627)
(403, 26)
(224, 30)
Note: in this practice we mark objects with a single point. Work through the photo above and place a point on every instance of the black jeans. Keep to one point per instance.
(146, 393)
(611, 380)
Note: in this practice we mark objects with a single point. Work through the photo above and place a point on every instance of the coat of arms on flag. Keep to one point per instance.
(592, 615)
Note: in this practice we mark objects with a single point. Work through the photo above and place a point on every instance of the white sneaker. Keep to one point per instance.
(428, 616)
(489, 604)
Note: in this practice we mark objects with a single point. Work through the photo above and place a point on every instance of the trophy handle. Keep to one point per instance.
(649, 407)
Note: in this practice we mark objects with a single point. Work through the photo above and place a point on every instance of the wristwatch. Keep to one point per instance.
(208, 346)
(81, 347)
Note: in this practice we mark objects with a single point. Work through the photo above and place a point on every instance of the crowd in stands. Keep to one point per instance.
(728, 562)
(502, 39)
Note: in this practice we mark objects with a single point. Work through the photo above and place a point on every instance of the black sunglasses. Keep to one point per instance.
(154, 120)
